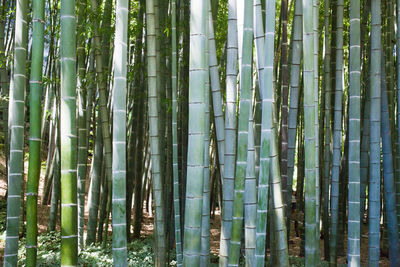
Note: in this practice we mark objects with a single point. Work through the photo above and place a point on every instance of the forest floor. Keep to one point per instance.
(147, 228)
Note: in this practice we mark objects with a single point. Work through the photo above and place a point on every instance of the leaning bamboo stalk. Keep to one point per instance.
(217, 101)
(35, 132)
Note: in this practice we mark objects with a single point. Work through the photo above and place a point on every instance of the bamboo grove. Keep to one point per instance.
(271, 119)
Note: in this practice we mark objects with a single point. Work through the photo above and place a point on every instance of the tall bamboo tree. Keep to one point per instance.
(119, 135)
(175, 171)
(398, 104)
(353, 236)
(309, 132)
(278, 212)
(337, 134)
(230, 133)
(327, 124)
(81, 119)
(154, 135)
(295, 67)
(16, 128)
(69, 227)
(374, 188)
(205, 214)
(35, 133)
(94, 189)
(195, 159)
(388, 173)
(264, 169)
(217, 101)
(245, 109)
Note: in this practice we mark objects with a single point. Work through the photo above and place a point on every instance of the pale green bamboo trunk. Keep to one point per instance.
(250, 196)
(374, 188)
(16, 129)
(317, 121)
(69, 227)
(94, 188)
(353, 237)
(388, 174)
(205, 215)
(309, 133)
(217, 101)
(295, 68)
(35, 132)
(198, 70)
(245, 111)
(327, 124)
(175, 171)
(81, 119)
(101, 81)
(398, 110)
(230, 134)
(156, 168)
(278, 222)
(264, 169)
(119, 239)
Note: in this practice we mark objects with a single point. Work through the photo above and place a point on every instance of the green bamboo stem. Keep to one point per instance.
(317, 121)
(337, 135)
(81, 119)
(374, 188)
(205, 215)
(398, 111)
(55, 193)
(295, 71)
(354, 237)
(284, 75)
(4, 81)
(197, 117)
(119, 240)
(264, 169)
(278, 212)
(388, 173)
(101, 81)
(56, 185)
(175, 171)
(309, 133)
(217, 101)
(94, 188)
(16, 129)
(245, 112)
(230, 134)
(154, 134)
(250, 197)
(35, 133)
(69, 227)
(327, 124)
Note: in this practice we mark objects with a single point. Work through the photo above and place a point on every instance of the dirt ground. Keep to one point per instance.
(147, 228)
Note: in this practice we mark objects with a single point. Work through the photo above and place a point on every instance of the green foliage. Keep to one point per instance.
(140, 252)
(3, 212)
